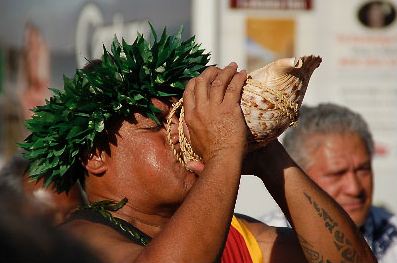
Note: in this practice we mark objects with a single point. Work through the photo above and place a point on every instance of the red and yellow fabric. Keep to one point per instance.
(241, 245)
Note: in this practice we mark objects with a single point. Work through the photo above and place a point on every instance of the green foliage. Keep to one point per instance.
(125, 81)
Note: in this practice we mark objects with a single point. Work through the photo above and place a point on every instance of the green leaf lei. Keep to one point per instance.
(125, 81)
(104, 209)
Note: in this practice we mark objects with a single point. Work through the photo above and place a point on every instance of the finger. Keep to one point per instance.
(210, 73)
(195, 166)
(188, 96)
(235, 87)
(203, 82)
(218, 86)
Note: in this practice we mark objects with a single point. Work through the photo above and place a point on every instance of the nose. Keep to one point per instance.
(353, 184)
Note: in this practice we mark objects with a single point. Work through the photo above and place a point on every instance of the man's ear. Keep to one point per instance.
(95, 163)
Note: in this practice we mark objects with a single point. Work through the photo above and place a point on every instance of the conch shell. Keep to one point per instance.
(273, 95)
(270, 102)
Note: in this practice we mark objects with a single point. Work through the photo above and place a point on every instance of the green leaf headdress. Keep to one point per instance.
(122, 83)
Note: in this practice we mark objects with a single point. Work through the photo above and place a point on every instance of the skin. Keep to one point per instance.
(188, 214)
(341, 165)
(376, 15)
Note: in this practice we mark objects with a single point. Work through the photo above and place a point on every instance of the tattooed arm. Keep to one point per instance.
(325, 232)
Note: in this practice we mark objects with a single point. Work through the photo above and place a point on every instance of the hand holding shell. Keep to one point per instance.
(270, 102)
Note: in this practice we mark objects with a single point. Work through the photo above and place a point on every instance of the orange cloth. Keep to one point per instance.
(241, 245)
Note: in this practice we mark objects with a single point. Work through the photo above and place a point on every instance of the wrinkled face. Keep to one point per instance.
(341, 165)
(145, 167)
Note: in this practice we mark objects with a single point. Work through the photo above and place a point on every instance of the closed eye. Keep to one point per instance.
(337, 173)
(154, 127)
(365, 168)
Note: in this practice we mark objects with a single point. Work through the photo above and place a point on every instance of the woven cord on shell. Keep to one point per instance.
(186, 152)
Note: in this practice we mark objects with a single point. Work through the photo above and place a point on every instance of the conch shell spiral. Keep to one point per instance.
(270, 102)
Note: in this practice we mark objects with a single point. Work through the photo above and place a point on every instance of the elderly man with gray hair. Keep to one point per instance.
(334, 146)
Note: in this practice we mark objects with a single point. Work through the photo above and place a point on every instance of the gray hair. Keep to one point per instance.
(325, 118)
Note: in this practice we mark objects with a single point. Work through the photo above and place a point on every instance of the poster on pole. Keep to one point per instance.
(262, 49)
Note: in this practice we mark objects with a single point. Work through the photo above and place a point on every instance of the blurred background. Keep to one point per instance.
(40, 40)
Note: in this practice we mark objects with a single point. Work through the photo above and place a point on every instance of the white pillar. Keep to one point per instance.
(205, 25)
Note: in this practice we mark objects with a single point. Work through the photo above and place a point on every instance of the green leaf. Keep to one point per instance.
(116, 47)
(59, 152)
(153, 31)
(100, 126)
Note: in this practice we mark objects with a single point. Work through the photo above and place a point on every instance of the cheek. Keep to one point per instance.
(367, 184)
(141, 170)
(153, 159)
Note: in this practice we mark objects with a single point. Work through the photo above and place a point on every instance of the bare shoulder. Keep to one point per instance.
(106, 243)
(278, 244)
(264, 234)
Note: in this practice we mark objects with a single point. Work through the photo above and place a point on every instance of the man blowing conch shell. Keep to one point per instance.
(108, 130)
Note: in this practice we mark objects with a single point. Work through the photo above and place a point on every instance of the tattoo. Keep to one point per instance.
(330, 224)
(342, 244)
(311, 254)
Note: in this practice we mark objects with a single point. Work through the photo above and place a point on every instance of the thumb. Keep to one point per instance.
(195, 166)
